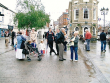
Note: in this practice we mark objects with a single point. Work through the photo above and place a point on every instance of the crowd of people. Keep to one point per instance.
(60, 38)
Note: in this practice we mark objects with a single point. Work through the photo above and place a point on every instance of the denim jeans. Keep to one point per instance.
(103, 43)
(88, 44)
(75, 50)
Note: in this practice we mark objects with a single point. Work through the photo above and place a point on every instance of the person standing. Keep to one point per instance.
(87, 38)
(6, 38)
(60, 40)
(50, 39)
(12, 36)
(57, 48)
(20, 46)
(33, 35)
(103, 41)
(74, 47)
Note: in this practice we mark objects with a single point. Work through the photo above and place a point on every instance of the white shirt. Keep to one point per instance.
(41, 46)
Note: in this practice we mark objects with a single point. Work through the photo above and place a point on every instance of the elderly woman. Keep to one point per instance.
(20, 46)
(74, 45)
(60, 41)
(33, 35)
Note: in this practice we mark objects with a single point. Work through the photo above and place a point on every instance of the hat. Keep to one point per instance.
(33, 28)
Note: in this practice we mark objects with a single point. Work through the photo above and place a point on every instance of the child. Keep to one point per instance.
(34, 45)
(15, 46)
(42, 47)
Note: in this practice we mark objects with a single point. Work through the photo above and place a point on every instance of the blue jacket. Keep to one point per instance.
(20, 39)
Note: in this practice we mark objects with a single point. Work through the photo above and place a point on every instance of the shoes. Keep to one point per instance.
(104, 51)
(64, 59)
(60, 59)
(76, 60)
(87, 50)
(28, 58)
(71, 59)
(101, 50)
(50, 53)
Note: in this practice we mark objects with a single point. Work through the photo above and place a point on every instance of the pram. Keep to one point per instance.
(30, 49)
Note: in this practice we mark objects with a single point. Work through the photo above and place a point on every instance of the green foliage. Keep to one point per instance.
(30, 15)
(94, 25)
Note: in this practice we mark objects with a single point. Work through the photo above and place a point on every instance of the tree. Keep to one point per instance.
(30, 14)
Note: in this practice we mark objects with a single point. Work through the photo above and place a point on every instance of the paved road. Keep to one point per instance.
(101, 60)
(49, 70)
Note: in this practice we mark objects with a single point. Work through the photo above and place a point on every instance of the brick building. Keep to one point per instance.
(63, 22)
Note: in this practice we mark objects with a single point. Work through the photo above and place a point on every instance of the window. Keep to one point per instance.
(85, 0)
(94, 14)
(76, 14)
(76, 29)
(86, 13)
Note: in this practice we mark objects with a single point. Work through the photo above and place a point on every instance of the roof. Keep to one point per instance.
(1, 5)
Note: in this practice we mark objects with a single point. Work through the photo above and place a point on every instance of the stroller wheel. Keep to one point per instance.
(39, 58)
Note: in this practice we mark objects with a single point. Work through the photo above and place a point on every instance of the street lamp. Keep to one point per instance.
(104, 12)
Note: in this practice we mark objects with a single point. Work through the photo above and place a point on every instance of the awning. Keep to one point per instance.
(3, 26)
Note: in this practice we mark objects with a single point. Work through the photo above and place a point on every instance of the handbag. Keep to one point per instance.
(72, 42)
(25, 51)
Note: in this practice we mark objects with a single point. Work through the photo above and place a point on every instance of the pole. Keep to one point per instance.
(104, 20)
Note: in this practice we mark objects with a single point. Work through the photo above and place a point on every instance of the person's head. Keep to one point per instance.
(76, 33)
(58, 30)
(102, 30)
(16, 43)
(29, 41)
(33, 29)
(20, 33)
(34, 41)
(63, 31)
(50, 29)
(86, 30)
(41, 41)
(11, 30)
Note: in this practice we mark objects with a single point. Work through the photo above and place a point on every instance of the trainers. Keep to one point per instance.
(75, 60)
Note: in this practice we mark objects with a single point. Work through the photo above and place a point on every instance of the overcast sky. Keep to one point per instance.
(56, 7)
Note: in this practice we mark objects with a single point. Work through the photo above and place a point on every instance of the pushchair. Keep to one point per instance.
(30, 49)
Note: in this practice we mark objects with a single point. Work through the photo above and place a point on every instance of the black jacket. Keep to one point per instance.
(60, 38)
(102, 36)
(50, 37)
(13, 34)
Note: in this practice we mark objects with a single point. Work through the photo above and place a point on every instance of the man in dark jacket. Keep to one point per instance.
(12, 36)
(103, 41)
(50, 38)
(60, 41)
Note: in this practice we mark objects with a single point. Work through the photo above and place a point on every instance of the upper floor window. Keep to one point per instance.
(86, 13)
(94, 14)
(85, 0)
(76, 14)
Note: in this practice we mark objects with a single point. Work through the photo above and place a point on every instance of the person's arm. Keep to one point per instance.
(76, 40)
(24, 39)
(85, 36)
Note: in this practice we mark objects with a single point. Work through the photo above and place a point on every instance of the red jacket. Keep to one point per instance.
(88, 35)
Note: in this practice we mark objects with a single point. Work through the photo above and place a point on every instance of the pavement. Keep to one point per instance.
(49, 70)
(3, 48)
(100, 61)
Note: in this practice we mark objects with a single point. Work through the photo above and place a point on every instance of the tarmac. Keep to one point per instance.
(49, 70)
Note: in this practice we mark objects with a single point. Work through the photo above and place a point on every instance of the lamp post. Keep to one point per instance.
(104, 12)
